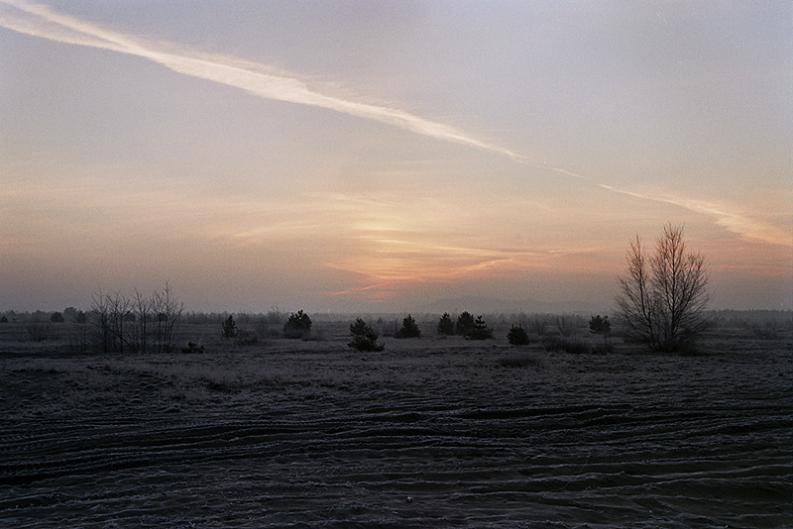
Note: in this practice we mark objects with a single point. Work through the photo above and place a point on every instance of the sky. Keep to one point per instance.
(390, 156)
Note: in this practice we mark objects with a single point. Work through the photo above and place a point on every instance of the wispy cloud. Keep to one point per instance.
(257, 79)
(269, 83)
(738, 223)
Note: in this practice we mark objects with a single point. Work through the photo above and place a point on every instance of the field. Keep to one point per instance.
(428, 433)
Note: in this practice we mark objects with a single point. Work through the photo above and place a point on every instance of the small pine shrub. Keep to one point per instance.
(364, 337)
(480, 330)
(409, 328)
(465, 324)
(298, 325)
(517, 335)
(445, 325)
(228, 329)
(600, 325)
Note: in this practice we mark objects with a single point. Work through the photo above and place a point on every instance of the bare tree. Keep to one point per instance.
(100, 308)
(142, 308)
(168, 310)
(662, 299)
(111, 313)
(537, 324)
(568, 324)
(635, 303)
(119, 312)
(138, 324)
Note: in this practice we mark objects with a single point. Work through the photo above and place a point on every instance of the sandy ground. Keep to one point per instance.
(428, 433)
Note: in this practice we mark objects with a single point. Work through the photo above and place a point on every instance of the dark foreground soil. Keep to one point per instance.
(428, 433)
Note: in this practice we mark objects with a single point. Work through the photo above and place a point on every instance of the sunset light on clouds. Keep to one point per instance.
(381, 156)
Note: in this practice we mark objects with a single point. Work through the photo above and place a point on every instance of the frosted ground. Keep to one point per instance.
(428, 433)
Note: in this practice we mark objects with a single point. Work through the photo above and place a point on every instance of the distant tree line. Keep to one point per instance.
(661, 303)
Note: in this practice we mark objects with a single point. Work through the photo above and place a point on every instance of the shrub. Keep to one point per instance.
(244, 337)
(445, 325)
(78, 338)
(386, 328)
(3, 319)
(38, 331)
(317, 336)
(465, 324)
(364, 337)
(537, 325)
(193, 348)
(266, 329)
(298, 325)
(228, 329)
(577, 347)
(517, 336)
(480, 330)
(518, 361)
(568, 324)
(558, 344)
(552, 343)
(274, 316)
(768, 330)
(56, 317)
(69, 314)
(409, 328)
(603, 348)
(600, 325)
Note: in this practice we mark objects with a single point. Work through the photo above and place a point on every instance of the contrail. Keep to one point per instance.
(250, 77)
(733, 222)
(257, 79)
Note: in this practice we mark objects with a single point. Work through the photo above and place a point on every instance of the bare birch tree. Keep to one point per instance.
(663, 298)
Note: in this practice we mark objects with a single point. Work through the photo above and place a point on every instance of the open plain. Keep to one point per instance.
(428, 433)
